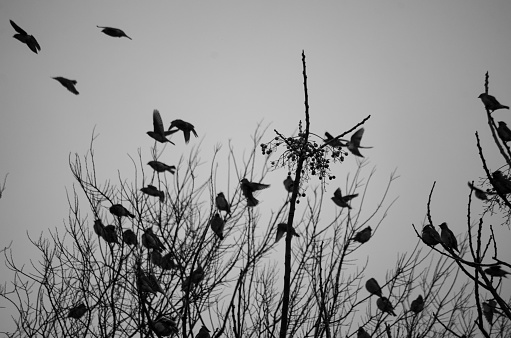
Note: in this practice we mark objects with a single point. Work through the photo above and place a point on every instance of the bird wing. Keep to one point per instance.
(34, 45)
(338, 193)
(157, 123)
(357, 137)
(17, 28)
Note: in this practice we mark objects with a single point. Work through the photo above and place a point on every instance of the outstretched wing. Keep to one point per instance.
(17, 28)
(157, 123)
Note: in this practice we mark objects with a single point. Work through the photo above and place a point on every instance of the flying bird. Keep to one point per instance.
(504, 132)
(496, 271)
(341, 200)
(417, 304)
(333, 142)
(478, 192)
(361, 333)
(448, 237)
(502, 184)
(120, 211)
(289, 184)
(151, 190)
(185, 127)
(373, 287)
(99, 228)
(69, 84)
(113, 32)
(385, 305)
(109, 234)
(217, 224)
(161, 167)
(77, 311)
(151, 241)
(129, 237)
(222, 204)
(203, 333)
(353, 144)
(158, 133)
(24, 37)
(363, 235)
(491, 103)
(282, 229)
(430, 236)
(248, 189)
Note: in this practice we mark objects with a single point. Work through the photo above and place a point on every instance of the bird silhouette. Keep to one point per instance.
(156, 257)
(373, 287)
(185, 127)
(342, 201)
(361, 333)
(491, 103)
(417, 305)
(478, 192)
(167, 262)
(151, 190)
(448, 237)
(158, 133)
(333, 142)
(248, 189)
(504, 132)
(165, 326)
(161, 167)
(282, 229)
(430, 236)
(69, 84)
(217, 225)
(222, 204)
(363, 236)
(24, 37)
(147, 282)
(353, 144)
(109, 234)
(289, 184)
(489, 310)
(129, 237)
(500, 183)
(113, 32)
(120, 211)
(496, 271)
(151, 241)
(77, 311)
(384, 304)
(197, 275)
(99, 228)
(203, 333)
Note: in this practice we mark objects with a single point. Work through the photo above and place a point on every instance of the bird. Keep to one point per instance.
(120, 211)
(384, 304)
(361, 333)
(489, 309)
(354, 143)
(148, 283)
(129, 237)
(203, 333)
(185, 127)
(504, 132)
(24, 37)
(156, 257)
(77, 311)
(282, 229)
(165, 326)
(151, 241)
(417, 304)
(448, 237)
(109, 234)
(113, 32)
(289, 184)
(373, 287)
(217, 225)
(478, 192)
(69, 84)
(197, 275)
(502, 184)
(161, 167)
(430, 236)
(496, 271)
(151, 190)
(248, 189)
(491, 103)
(342, 201)
(99, 228)
(222, 204)
(363, 235)
(167, 262)
(331, 141)
(158, 133)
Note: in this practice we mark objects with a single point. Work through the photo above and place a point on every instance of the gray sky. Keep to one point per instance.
(416, 67)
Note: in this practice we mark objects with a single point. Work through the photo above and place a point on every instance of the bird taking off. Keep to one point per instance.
(185, 127)
(353, 144)
(341, 200)
(24, 37)
(113, 32)
(158, 133)
(248, 189)
(491, 103)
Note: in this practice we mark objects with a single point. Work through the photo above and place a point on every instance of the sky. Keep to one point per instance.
(417, 67)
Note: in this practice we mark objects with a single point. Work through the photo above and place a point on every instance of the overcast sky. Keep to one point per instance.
(417, 67)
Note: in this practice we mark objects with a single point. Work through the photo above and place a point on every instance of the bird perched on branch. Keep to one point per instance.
(222, 204)
(156, 257)
(448, 237)
(491, 103)
(77, 311)
(417, 304)
(289, 184)
(197, 275)
(489, 310)
(109, 234)
(342, 201)
(185, 127)
(120, 211)
(248, 189)
(99, 228)
(203, 333)
(501, 183)
(147, 282)
(129, 237)
(24, 37)
(161, 167)
(364, 235)
(151, 241)
(361, 333)
(158, 133)
(151, 190)
(478, 192)
(496, 271)
(282, 229)
(504, 132)
(113, 32)
(373, 287)
(385, 305)
(217, 224)
(69, 84)
(430, 236)
(165, 326)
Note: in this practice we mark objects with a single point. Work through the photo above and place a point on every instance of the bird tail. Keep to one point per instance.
(252, 201)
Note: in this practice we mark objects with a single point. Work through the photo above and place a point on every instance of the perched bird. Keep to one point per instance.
(341, 200)
(120, 211)
(158, 133)
(478, 192)
(373, 287)
(417, 304)
(363, 235)
(217, 225)
(203, 333)
(385, 305)
(114, 32)
(197, 275)
(222, 204)
(156, 257)
(491, 103)
(147, 282)
(167, 262)
(448, 237)
(151, 241)
(109, 234)
(151, 190)
(289, 184)
(161, 167)
(496, 271)
(77, 311)
(129, 237)
(69, 84)
(430, 236)
(99, 228)
(23, 36)
(185, 127)
(282, 229)
(361, 333)
(165, 326)
(489, 310)
(504, 132)
(501, 183)
(248, 189)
